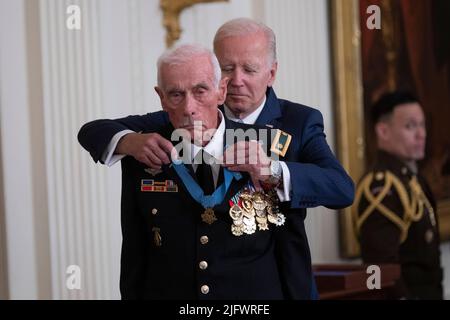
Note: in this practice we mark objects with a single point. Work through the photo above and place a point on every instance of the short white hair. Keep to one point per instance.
(183, 54)
(246, 26)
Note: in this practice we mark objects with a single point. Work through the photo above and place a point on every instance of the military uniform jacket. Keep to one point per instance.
(396, 221)
(317, 178)
(168, 252)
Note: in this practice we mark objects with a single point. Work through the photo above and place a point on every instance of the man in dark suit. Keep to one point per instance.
(395, 212)
(309, 173)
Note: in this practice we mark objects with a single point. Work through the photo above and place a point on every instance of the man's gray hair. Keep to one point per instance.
(183, 54)
(246, 26)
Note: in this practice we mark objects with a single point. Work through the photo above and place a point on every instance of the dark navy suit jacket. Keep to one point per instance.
(317, 178)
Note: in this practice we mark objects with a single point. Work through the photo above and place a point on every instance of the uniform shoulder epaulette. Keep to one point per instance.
(388, 181)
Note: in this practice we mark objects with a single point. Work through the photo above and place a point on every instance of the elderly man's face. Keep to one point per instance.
(244, 61)
(403, 133)
(188, 94)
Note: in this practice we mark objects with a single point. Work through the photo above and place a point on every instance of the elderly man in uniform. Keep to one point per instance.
(193, 230)
(394, 210)
(308, 172)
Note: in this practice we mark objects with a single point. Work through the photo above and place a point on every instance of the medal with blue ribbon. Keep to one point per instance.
(207, 201)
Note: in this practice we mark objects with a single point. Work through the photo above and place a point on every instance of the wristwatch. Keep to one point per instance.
(276, 172)
(275, 169)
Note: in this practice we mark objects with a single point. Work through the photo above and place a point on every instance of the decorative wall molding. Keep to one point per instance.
(71, 64)
(171, 16)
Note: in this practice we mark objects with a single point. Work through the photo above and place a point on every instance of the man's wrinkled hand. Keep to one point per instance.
(149, 148)
(248, 156)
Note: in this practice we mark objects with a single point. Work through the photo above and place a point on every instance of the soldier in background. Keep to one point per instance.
(394, 210)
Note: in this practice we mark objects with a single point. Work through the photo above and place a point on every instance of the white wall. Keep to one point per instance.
(16, 144)
(55, 196)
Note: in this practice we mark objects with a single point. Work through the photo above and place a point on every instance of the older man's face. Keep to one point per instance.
(188, 94)
(244, 60)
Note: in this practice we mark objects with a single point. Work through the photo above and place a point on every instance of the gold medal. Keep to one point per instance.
(272, 218)
(262, 223)
(249, 221)
(246, 200)
(259, 202)
(255, 210)
(237, 230)
(236, 212)
(209, 216)
(260, 213)
(247, 205)
(249, 214)
(263, 226)
(249, 229)
(261, 219)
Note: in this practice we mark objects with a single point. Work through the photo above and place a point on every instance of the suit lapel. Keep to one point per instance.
(271, 111)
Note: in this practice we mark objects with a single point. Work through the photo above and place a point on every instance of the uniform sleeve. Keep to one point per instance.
(318, 178)
(96, 135)
(380, 238)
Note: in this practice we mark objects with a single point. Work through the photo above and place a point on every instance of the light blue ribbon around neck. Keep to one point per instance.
(196, 192)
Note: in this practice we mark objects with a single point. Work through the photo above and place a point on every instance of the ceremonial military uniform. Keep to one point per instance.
(396, 221)
(175, 249)
(317, 178)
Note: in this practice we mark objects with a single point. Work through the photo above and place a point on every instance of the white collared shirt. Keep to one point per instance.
(214, 147)
(250, 119)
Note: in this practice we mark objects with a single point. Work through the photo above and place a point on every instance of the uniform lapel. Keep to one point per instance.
(166, 132)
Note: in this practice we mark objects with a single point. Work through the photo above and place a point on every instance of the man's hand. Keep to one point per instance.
(248, 157)
(150, 148)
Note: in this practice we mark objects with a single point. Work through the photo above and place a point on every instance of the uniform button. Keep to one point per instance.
(379, 176)
(203, 265)
(154, 211)
(429, 235)
(204, 239)
(204, 289)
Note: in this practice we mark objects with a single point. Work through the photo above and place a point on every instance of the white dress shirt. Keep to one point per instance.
(214, 147)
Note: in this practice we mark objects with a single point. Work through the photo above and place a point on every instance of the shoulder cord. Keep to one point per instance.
(413, 208)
